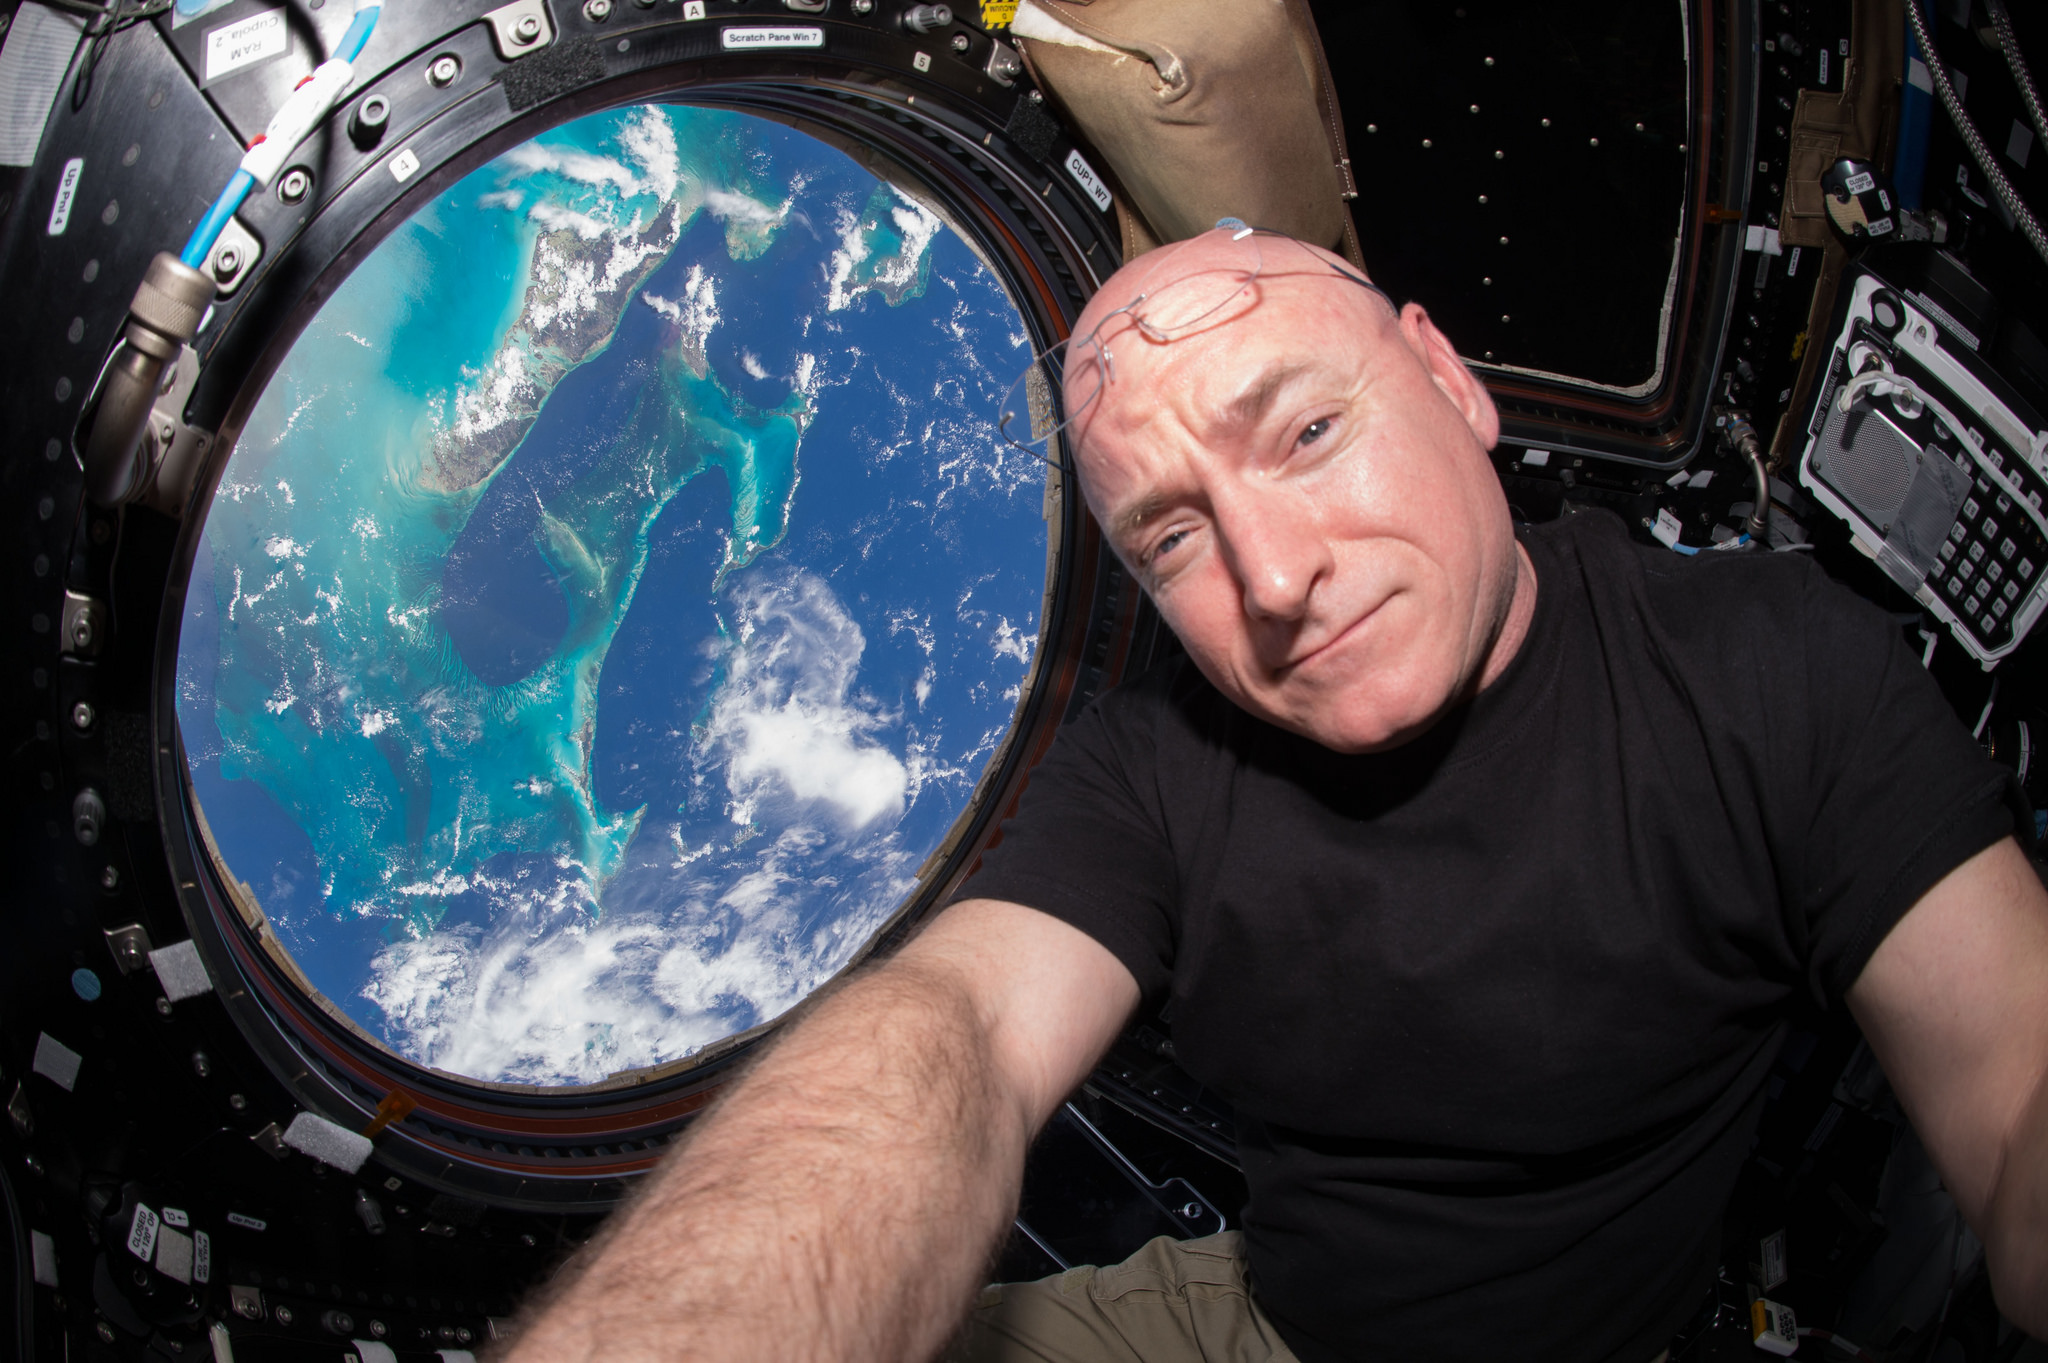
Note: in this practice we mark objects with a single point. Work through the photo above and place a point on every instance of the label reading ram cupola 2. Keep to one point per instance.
(770, 37)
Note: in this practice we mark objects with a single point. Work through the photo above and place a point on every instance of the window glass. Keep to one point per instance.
(615, 597)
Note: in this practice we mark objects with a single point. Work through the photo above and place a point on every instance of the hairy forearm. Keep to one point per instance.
(839, 1204)
(2016, 1222)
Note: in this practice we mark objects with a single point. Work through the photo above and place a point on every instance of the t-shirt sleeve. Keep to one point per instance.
(1898, 791)
(1087, 843)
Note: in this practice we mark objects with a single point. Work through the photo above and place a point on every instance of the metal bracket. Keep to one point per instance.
(85, 625)
(18, 1113)
(270, 1140)
(130, 946)
(233, 257)
(1004, 65)
(176, 450)
(246, 1301)
(521, 28)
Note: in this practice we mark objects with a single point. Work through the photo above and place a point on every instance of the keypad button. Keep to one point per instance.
(1989, 625)
(1970, 508)
(2012, 590)
(1954, 588)
(1957, 531)
(1989, 530)
(2026, 567)
(2007, 549)
(1999, 608)
(1993, 571)
(2004, 502)
(1976, 552)
(1948, 550)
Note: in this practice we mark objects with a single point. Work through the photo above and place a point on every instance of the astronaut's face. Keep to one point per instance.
(1302, 485)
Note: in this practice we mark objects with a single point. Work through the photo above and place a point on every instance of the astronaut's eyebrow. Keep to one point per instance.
(1249, 406)
(1138, 515)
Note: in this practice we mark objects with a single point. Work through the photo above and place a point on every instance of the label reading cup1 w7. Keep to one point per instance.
(67, 191)
(764, 39)
(142, 1233)
(246, 42)
(1091, 183)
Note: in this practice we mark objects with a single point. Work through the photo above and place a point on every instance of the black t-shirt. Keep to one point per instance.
(1497, 1008)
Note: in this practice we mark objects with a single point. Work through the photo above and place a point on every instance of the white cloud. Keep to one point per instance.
(503, 198)
(571, 164)
(729, 207)
(555, 217)
(788, 722)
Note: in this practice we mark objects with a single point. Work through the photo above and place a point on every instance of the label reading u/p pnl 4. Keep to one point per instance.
(67, 193)
(1091, 183)
(770, 37)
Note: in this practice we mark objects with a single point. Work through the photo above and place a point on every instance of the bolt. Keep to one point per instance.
(110, 879)
(463, 1335)
(248, 1308)
(81, 715)
(105, 1332)
(1372, 127)
(1037, 97)
(294, 185)
(226, 263)
(1593, 141)
(526, 1240)
(201, 1066)
(82, 631)
(284, 1314)
(1503, 317)
(1500, 156)
(863, 6)
(961, 42)
(1639, 127)
(1489, 61)
(237, 1101)
(378, 1329)
(163, 1006)
(1487, 280)
(597, 11)
(1427, 144)
(926, 18)
(1503, 241)
(443, 72)
(1475, 108)
(527, 29)
(35, 1166)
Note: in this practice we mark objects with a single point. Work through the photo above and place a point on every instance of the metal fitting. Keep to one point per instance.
(162, 317)
(927, 18)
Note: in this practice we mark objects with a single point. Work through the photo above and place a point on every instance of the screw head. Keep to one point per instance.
(294, 185)
(863, 6)
(444, 70)
(237, 1102)
(201, 1066)
(961, 42)
(527, 29)
(284, 1314)
(227, 263)
(110, 878)
(163, 1006)
(1427, 144)
(105, 1332)
(378, 1329)
(81, 715)
(597, 11)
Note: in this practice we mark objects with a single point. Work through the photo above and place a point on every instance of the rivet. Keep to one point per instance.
(1500, 155)
(1427, 143)
(1503, 241)
(1503, 317)
(1489, 61)
(1475, 108)
(1639, 127)
(1594, 141)
(1482, 198)
(1487, 280)
(1546, 122)
(1372, 127)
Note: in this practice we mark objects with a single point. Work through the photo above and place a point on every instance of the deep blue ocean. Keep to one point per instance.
(615, 596)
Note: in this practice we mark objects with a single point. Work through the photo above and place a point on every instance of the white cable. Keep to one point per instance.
(1923, 33)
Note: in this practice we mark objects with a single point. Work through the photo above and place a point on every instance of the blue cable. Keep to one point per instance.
(203, 236)
(358, 33)
(208, 230)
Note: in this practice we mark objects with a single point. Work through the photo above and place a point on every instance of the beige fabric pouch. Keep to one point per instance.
(1204, 109)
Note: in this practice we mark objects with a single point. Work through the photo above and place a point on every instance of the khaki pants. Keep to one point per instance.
(1174, 1301)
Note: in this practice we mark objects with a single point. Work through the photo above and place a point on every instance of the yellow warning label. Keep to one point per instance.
(998, 13)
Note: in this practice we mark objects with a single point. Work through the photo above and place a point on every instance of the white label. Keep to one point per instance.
(693, 9)
(756, 39)
(202, 1257)
(1091, 183)
(56, 1062)
(1666, 529)
(1879, 228)
(1702, 478)
(1678, 479)
(247, 1222)
(246, 42)
(1536, 459)
(1823, 66)
(1774, 245)
(922, 61)
(142, 1233)
(67, 190)
(1792, 265)
(1753, 237)
(174, 1217)
(43, 1250)
(1917, 75)
(174, 1255)
(1773, 1255)
(1860, 183)
(404, 166)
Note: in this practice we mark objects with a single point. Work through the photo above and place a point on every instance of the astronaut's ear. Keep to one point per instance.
(1450, 374)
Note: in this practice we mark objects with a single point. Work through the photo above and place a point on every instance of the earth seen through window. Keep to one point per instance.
(615, 597)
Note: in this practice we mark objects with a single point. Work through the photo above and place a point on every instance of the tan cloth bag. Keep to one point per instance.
(1204, 109)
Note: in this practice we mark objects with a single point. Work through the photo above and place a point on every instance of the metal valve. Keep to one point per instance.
(927, 18)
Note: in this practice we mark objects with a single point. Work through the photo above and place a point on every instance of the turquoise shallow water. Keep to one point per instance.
(614, 596)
